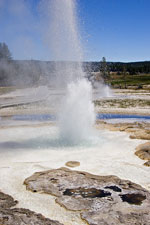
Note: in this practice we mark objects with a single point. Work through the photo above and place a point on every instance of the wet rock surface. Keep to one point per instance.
(133, 198)
(137, 130)
(72, 164)
(144, 135)
(6, 201)
(101, 199)
(147, 163)
(20, 216)
(143, 152)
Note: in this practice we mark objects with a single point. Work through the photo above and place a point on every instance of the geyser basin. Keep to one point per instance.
(40, 145)
(29, 149)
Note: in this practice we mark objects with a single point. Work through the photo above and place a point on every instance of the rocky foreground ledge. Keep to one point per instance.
(99, 199)
(20, 216)
(137, 130)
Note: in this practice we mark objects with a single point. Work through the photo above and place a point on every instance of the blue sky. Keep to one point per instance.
(116, 29)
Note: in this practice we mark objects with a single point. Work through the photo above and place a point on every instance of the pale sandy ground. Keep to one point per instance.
(135, 110)
(41, 100)
(36, 147)
(125, 94)
(25, 150)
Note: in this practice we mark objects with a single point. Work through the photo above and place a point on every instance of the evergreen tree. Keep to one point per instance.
(4, 52)
(104, 68)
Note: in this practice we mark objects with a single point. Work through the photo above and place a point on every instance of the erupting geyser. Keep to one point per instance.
(77, 117)
(77, 113)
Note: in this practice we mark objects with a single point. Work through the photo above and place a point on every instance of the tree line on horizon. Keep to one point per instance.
(29, 72)
(133, 68)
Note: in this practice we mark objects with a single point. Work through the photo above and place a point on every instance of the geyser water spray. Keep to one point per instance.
(77, 117)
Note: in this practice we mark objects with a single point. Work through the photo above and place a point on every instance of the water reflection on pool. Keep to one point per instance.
(123, 117)
(100, 116)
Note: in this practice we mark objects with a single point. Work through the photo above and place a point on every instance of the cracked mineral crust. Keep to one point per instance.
(100, 199)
